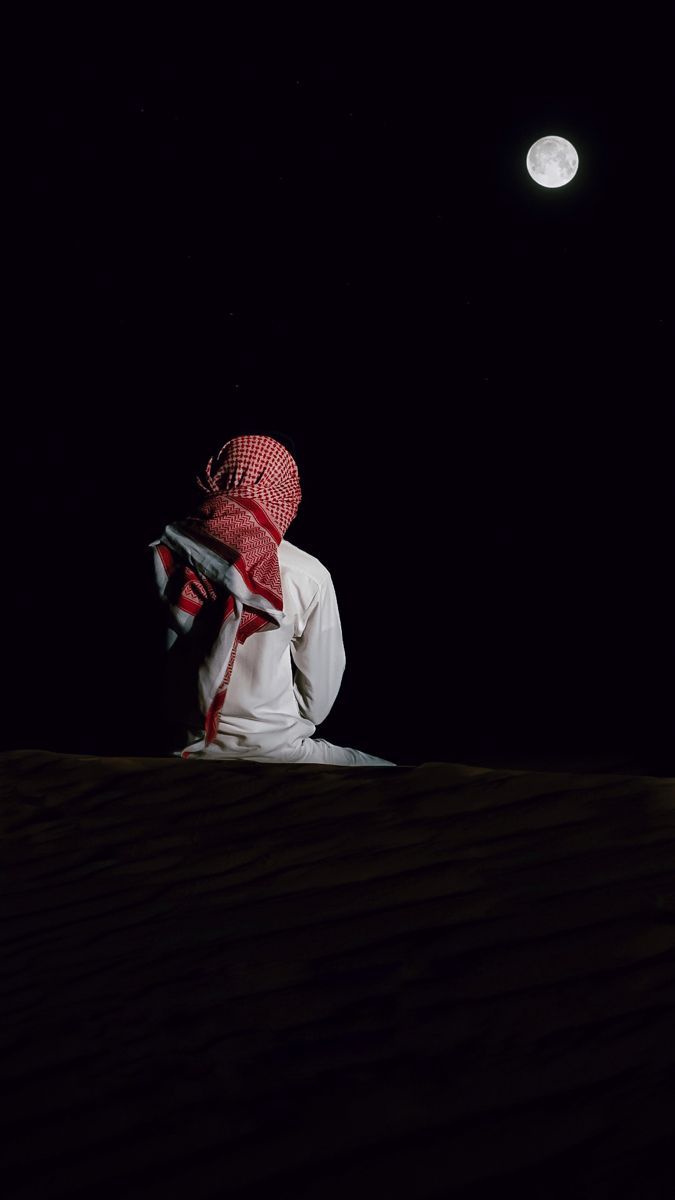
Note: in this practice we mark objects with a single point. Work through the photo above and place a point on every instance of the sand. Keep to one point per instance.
(243, 980)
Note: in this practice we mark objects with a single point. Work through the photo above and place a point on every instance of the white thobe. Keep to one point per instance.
(268, 714)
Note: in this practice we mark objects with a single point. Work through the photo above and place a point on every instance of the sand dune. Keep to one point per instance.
(243, 980)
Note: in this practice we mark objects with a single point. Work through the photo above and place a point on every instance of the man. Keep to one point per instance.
(255, 651)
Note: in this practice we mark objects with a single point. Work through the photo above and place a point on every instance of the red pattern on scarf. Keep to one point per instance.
(253, 494)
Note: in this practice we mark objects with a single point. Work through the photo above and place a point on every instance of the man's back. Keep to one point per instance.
(287, 678)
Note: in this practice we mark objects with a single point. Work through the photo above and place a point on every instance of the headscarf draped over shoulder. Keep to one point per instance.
(219, 568)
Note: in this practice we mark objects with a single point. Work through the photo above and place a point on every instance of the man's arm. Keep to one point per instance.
(319, 656)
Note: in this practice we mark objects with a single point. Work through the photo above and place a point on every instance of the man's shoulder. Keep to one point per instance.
(300, 562)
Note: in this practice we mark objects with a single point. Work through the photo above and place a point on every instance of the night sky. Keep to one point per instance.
(340, 242)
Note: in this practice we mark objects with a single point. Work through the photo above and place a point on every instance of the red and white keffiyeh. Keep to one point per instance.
(225, 555)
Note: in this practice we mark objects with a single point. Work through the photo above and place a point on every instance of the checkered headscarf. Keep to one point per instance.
(222, 561)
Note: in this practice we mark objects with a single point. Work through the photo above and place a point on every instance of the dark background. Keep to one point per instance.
(337, 238)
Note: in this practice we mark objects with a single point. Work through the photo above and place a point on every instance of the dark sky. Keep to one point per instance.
(338, 239)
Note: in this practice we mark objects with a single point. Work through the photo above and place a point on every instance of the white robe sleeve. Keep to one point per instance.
(319, 656)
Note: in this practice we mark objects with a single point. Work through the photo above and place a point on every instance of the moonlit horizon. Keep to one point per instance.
(552, 161)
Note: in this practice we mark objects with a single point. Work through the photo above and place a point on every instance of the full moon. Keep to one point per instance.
(552, 161)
